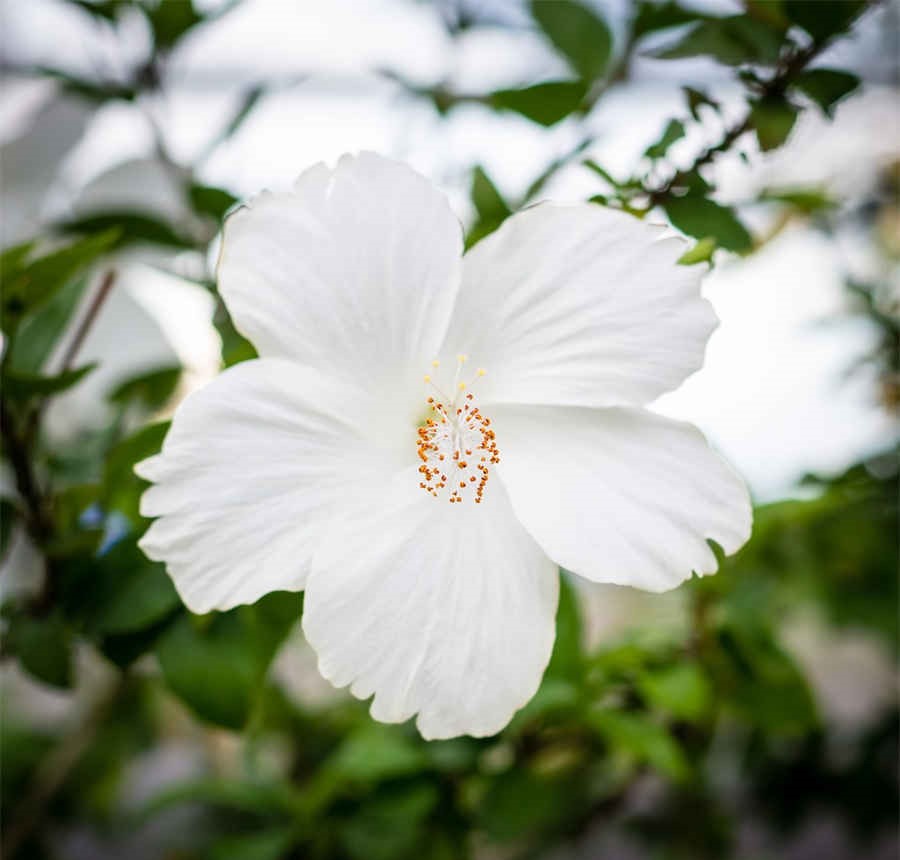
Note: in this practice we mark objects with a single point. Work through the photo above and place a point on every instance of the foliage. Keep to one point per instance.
(668, 714)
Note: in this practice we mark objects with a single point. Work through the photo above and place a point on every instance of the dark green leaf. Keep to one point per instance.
(39, 332)
(823, 18)
(36, 282)
(21, 386)
(806, 200)
(376, 752)
(96, 91)
(9, 515)
(217, 664)
(171, 19)
(701, 217)
(773, 118)
(269, 844)
(150, 390)
(214, 202)
(578, 33)
(696, 99)
(681, 690)
(826, 87)
(567, 660)
(652, 16)
(121, 486)
(674, 130)
(44, 648)
(545, 103)
(132, 227)
(108, 10)
(731, 41)
(13, 258)
(489, 204)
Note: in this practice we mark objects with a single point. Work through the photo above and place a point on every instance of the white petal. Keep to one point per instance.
(443, 610)
(620, 495)
(579, 305)
(354, 272)
(248, 473)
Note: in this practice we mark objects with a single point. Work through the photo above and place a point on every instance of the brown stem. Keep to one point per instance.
(88, 321)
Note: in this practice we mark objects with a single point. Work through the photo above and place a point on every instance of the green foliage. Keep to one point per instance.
(21, 386)
(703, 218)
(674, 130)
(577, 33)
(492, 209)
(545, 103)
(822, 19)
(217, 664)
(732, 41)
(773, 118)
(44, 648)
(651, 16)
(826, 87)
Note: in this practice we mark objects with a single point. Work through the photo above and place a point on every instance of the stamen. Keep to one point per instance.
(458, 432)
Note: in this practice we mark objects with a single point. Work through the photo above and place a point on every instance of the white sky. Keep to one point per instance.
(772, 396)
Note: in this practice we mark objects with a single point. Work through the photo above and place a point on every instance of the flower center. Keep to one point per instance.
(456, 443)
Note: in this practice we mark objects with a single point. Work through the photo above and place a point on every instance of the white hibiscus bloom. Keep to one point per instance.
(425, 504)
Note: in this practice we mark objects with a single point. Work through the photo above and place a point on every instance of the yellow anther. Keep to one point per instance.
(461, 386)
(462, 358)
(481, 371)
(427, 378)
(435, 363)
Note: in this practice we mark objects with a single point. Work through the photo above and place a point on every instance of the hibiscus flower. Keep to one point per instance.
(428, 437)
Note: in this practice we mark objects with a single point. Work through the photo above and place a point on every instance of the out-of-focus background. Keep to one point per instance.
(750, 715)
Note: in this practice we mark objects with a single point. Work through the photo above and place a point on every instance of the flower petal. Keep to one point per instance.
(354, 272)
(620, 495)
(443, 610)
(247, 475)
(579, 305)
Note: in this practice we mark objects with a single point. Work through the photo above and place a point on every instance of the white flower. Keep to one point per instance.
(423, 505)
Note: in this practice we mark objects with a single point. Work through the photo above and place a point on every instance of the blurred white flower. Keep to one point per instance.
(423, 506)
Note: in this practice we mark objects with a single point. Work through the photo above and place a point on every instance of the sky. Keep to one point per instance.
(774, 395)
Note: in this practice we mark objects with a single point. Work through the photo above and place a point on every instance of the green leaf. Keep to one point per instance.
(731, 41)
(826, 87)
(567, 659)
(9, 515)
(682, 690)
(211, 201)
(97, 91)
(652, 16)
(375, 752)
(217, 664)
(578, 33)
(545, 103)
(806, 200)
(132, 227)
(150, 390)
(773, 118)
(39, 332)
(646, 741)
(696, 99)
(703, 218)
(702, 252)
(21, 386)
(121, 486)
(823, 18)
(13, 258)
(44, 648)
(269, 844)
(170, 20)
(674, 130)
(489, 204)
(36, 282)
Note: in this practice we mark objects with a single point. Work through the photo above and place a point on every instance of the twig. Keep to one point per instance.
(87, 321)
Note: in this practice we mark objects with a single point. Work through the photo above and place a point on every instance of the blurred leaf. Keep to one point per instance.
(108, 10)
(773, 118)
(375, 752)
(32, 284)
(170, 20)
(44, 648)
(823, 18)
(98, 92)
(21, 386)
(14, 257)
(807, 200)
(217, 664)
(732, 41)
(150, 390)
(247, 104)
(214, 202)
(9, 514)
(702, 252)
(674, 130)
(545, 103)
(578, 33)
(696, 99)
(652, 16)
(270, 844)
(646, 741)
(258, 797)
(132, 227)
(567, 659)
(601, 172)
(681, 690)
(40, 331)
(703, 218)
(489, 204)
(121, 486)
(826, 87)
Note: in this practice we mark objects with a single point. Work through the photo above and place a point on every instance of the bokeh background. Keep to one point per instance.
(750, 715)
